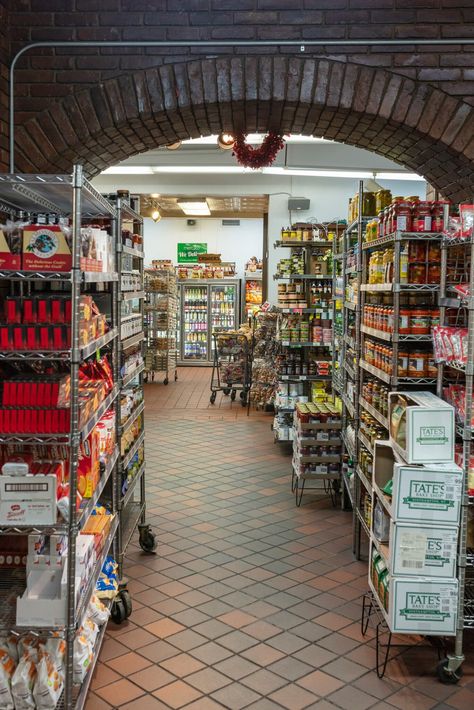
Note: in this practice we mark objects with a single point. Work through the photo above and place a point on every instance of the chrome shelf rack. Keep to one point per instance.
(161, 324)
(74, 197)
(131, 481)
(458, 256)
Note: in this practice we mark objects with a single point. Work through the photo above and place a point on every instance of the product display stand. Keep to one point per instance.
(131, 429)
(348, 382)
(457, 267)
(63, 195)
(305, 335)
(161, 323)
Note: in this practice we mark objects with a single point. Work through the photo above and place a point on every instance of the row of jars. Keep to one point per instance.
(371, 428)
(313, 413)
(376, 394)
(417, 363)
(412, 320)
(407, 214)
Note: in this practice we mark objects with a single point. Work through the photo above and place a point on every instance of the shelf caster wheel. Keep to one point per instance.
(126, 600)
(147, 539)
(447, 676)
(166, 381)
(243, 401)
(226, 390)
(212, 398)
(243, 395)
(233, 395)
(118, 613)
(175, 376)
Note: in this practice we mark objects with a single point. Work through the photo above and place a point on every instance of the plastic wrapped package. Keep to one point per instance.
(9, 644)
(97, 611)
(49, 682)
(7, 668)
(23, 682)
(83, 656)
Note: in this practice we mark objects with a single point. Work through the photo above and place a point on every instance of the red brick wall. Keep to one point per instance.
(412, 103)
(4, 59)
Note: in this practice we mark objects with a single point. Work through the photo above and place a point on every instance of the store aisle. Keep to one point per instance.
(250, 602)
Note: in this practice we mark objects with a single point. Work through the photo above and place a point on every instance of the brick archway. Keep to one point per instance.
(416, 125)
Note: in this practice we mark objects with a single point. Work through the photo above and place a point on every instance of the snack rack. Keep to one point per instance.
(232, 365)
(161, 323)
(458, 309)
(72, 196)
(131, 429)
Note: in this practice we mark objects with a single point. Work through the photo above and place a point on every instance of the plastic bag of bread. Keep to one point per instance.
(23, 682)
(83, 656)
(7, 668)
(97, 611)
(49, 682)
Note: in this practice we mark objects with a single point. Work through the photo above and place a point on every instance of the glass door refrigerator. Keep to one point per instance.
(206, 306)
(224, 308)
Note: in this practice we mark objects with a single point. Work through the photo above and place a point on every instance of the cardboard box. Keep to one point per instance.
(423, 606)
(10, 252)
(427, 494)
(43, 604)
(28, 500)
(423, 431)
(45, 248)
(423, 551)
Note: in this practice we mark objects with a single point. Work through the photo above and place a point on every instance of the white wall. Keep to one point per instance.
(234, 243)
(329, 199)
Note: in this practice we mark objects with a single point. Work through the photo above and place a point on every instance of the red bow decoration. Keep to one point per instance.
(260, 157)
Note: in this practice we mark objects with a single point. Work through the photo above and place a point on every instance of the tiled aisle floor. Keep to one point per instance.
(250, 602)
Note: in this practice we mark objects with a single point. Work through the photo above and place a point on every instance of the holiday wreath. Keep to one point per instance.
(260, 157)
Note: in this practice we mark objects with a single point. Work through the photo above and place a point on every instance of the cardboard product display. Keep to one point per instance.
(10, 252)
(45, 248)
(28, 500)
(423, 551)
(423, 606)
(422, 427)
(43, 603)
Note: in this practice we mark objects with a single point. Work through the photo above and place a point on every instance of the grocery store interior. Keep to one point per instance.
(236, 355)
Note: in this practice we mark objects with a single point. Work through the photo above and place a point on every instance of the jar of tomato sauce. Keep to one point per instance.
(420, 321)
(422, 217)
(404, 321)
(401, 216)
(417, 364)
(402, 364)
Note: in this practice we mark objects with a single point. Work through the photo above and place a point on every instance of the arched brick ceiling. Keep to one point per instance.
(416, 125)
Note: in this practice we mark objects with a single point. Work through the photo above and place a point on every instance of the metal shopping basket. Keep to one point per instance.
(231, 366)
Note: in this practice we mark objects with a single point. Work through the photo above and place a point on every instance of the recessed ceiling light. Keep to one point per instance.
(195, 207)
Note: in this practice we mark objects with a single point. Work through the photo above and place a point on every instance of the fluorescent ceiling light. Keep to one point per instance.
(128, 170)
(399, 176)
(195, 208)
(239, 170)
(202, 169)
(256, 138)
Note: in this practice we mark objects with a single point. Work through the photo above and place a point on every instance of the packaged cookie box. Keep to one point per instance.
(10, 251)
(423, 606)
(421, 427)
(423, 550)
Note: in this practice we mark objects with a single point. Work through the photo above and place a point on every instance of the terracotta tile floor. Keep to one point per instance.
(250, 602)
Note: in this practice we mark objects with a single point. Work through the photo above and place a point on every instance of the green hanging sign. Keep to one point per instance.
(188, 252)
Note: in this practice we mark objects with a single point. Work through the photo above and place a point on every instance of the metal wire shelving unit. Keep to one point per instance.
(457, 264)
(132, 461)
(161, 324)
(72, 196)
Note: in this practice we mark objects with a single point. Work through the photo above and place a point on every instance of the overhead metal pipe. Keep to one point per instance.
(208, 43)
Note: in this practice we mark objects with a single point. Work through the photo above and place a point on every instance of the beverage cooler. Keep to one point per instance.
(206, 306)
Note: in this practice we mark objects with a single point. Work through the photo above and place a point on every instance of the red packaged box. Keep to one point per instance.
(10, 251)
(29, 310)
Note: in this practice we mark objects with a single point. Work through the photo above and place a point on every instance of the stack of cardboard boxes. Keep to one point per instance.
(417, 492)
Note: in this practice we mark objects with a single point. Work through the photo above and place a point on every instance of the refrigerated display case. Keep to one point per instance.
(253, 290)
(206, 306)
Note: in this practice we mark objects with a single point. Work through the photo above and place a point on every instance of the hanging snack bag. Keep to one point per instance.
(23, 682)
(7, 668)
(49, 683)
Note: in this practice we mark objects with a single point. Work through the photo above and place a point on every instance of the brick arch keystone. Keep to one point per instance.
(414, 124)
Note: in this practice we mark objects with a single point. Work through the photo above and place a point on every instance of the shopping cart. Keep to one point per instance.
(231, 366)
